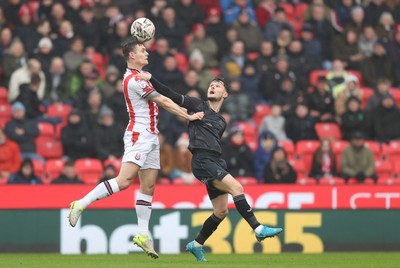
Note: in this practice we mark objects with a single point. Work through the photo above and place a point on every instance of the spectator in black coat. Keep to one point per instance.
(382, 89)
(68, 175)
(116, 102)
(28, 97)
(76, 137)
(386, 121)
(25, 28)
(25, 174)
(288, 96)
(374, 11)
(300, 126)
(63, 41)
(91, 110)
(172, 29)
(354, 119)
(312, 47)
(267, 59)
(321, 101)
(237, 154)
(108, 136)
(216, 28)
(188, 12)
(23, 131)
(87, 27)
(279, 170)
(157, 57)
(170, 74)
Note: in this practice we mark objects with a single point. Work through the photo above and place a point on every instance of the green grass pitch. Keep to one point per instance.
(326, 260)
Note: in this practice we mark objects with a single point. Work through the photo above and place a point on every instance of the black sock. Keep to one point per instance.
(209, 226)
(245, 210)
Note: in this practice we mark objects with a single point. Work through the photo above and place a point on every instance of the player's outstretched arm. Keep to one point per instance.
(162, 89)
(173, 108)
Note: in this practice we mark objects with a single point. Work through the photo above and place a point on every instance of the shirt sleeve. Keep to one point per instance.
(141, 87)
(192, 104)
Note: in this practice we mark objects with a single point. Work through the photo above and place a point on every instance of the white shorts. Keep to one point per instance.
(142, 149)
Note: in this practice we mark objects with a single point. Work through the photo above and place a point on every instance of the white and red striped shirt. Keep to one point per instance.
(143, 113)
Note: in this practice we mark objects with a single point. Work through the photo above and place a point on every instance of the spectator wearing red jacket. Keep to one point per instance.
(10, 156)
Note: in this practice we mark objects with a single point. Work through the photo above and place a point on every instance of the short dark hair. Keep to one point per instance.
(128, 45)
(69, 163)
(35, 80)
(222, 80)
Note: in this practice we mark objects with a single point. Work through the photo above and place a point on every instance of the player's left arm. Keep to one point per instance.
(172, 107)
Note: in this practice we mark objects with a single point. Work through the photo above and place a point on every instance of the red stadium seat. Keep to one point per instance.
(391, 152)
(178, 181)
(261, 111)
(306, 181)
(3, 95)
(305, 150)
(289, 10)
(49, 148)
(299, 10)
(315, 74)
(54, 168)
(164, 181)
(59, 110)
(288, 146)
(207, 4)
(383, 169)
(5, 113)
(331, 181)
(299, 167)
(250, 135)
(46, 130)
(396, 94)
(328, 130)
(90, 170)
(38, 168)
(247, 180)
(353, 181)
(389, 181)
(366, 94)
(57, 133)
(375, 148)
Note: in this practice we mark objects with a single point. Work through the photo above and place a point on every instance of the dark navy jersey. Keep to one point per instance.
(204, 134)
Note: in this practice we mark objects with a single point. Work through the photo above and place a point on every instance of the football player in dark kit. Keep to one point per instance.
(207, 164)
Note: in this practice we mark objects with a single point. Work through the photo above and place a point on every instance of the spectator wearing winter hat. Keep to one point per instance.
(377, 66)
(263, 155)
(207, 46)
(196, 62)
(23, 131)
(237, 154)
(385, 120)
(352, 89)
(25, 28)
(76, 137)
(217, 29)
(248, 31)
(107, 135)
(279, 170)
(45, 54)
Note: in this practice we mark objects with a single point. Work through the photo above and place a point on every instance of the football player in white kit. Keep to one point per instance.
(142, 151)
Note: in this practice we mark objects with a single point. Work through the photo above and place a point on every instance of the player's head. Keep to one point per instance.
(218, 89)
(135, 52)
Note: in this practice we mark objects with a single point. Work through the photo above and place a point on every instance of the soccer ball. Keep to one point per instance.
(143, 29)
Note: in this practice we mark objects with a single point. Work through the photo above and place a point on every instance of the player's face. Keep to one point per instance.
(216, 91)
(140, 55)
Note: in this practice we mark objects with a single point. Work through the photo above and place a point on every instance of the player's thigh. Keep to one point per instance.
(148, 179)
(127, 173)
(229, 185)
(220, 206)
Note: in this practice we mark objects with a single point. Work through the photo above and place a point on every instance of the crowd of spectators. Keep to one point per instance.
(305, 62)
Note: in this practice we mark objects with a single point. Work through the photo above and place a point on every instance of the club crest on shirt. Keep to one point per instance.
(142, 84)
(137, 156)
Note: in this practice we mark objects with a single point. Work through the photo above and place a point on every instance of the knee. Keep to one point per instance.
(147, 188)
(124, 182)
(221, 213)
(237, 189)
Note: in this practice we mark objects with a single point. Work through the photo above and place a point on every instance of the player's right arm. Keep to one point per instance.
(173, 108)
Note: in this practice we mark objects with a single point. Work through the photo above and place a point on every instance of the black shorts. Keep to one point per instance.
(208, 166)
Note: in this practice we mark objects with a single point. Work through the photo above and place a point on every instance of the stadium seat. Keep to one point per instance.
(289, 11)
(48, 148)
(261, 111)
(57, 133)
(163, 181)
(332, 181)
(3, 95)
(178, 181)
(247, 180)
(328, 130)
(90, 170)
(299, 167)
(306, 181)
(299, 10)
(353, 181)
(389, 181)
(250, 135)
(207, 4)
(391, 152)
(383, 168)
(3, 180)
(38, 168)
(366, 94)
(305, 150)
(5, 113)
(337, 148)
(54, 168)
(375, 148)
(288, 146)
(59, 110)
(315, 74)
(46, 130)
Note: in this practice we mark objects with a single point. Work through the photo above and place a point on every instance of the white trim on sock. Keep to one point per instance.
(258, 229)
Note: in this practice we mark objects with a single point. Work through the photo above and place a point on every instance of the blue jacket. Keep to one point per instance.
(261, 156)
